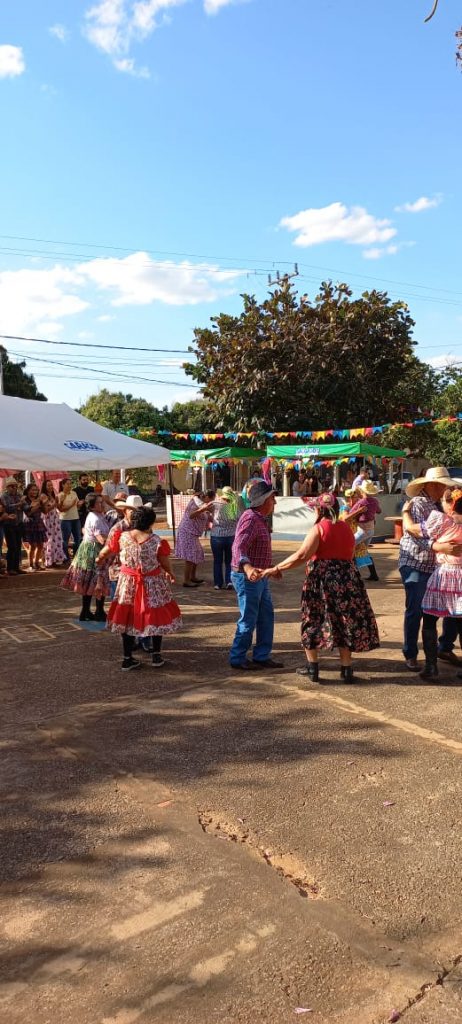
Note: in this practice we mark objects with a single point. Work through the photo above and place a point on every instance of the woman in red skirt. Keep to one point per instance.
(143, 605)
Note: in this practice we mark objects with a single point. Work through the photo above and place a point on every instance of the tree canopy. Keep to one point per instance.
(16, 382)
(124, 412)
(293, 363)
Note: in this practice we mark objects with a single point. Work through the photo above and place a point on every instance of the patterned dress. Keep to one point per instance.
(187, 538)
(143, 604)
(35, 531)
(443, 596)
(336, 611)
(83, 575)
(54, 549)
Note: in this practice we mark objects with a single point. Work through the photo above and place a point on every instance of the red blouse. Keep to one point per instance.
(336, 540)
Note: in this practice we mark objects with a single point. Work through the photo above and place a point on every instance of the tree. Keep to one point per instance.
(194, 417)
(124, 412)
(17, 383)
(296, 364)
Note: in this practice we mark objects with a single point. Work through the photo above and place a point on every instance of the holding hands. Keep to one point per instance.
(254, 574)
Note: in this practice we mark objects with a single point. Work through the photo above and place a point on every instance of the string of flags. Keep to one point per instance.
(312, 435)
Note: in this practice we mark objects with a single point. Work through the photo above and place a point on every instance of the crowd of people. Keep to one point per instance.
(117, 555)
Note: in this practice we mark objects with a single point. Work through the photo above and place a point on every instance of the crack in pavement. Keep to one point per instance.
(286, 865)
(427, 987)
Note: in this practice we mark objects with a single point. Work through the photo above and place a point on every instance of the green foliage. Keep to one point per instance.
(194, 417)
(296, 364)
(17, 383)
(445, 447)
(124, 412)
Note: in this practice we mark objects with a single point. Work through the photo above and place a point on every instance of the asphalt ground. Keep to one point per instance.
(189, 844)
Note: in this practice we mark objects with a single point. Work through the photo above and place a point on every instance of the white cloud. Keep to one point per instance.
(213, 6)
(114, 25)
(127, 64)
(338, 223)
(138, 280)
(424, 203)
(377, 252)
(105, 319)
(439, 362)
(59, 32)
(31, 298)
(12, 61)
(35, 301)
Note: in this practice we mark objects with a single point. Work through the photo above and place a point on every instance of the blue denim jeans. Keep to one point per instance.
(221, 550)
(415, 585)
(257, 613)
(68, 527)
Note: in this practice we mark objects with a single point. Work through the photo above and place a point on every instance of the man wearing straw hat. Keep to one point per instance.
(416, 554)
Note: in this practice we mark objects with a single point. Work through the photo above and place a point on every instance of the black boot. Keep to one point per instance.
(347, 674)
(100, 614)
(430, 672)
(86, 615)
(373, 573)
(311, 670)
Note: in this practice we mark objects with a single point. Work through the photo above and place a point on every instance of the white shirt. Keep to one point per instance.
(110, 489)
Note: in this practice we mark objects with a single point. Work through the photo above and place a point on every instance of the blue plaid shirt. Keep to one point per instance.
(417, 552)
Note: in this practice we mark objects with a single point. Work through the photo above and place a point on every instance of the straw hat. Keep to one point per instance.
(10, 481)
(227, 493)
(434, 475)
(368, 487)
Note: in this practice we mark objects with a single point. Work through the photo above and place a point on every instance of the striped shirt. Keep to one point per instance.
(223, 522)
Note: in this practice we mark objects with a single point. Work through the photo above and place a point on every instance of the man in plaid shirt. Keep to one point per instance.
(252, 553)
(416, 554)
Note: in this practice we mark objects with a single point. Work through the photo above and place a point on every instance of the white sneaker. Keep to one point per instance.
(32, 568)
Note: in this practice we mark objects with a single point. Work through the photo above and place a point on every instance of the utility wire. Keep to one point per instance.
(109, 373)
(273, 261)
(87, 344)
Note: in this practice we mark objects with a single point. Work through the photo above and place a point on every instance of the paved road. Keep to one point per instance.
(189, 845)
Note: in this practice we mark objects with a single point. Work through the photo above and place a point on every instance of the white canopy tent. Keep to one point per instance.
(42, 436)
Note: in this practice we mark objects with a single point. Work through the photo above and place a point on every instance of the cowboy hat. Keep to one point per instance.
(258, 493)
(434, 475)
(131, 502)
(10, 481)
(368, 487)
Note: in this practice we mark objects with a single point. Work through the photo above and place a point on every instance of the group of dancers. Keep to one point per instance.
(131, 563)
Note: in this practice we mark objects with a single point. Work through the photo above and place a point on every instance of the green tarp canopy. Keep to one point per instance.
(215, 454)
(330, 451)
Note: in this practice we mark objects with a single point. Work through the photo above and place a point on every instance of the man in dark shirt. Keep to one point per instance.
(83, 488)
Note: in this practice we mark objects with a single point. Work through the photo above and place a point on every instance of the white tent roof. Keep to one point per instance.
(39, 435)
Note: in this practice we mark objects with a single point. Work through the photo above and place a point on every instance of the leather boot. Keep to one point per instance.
(430, 672)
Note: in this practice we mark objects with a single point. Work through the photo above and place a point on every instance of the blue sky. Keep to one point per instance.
(162, 156)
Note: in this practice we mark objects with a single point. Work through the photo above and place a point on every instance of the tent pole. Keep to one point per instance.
(172, 507)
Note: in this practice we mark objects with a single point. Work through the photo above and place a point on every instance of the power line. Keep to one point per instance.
(273, 261)
(108, 373)
(86, 344)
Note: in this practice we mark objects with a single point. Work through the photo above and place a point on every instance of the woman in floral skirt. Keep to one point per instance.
(83, 575)
(143, 605)
(53, 547)
(336, 611)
